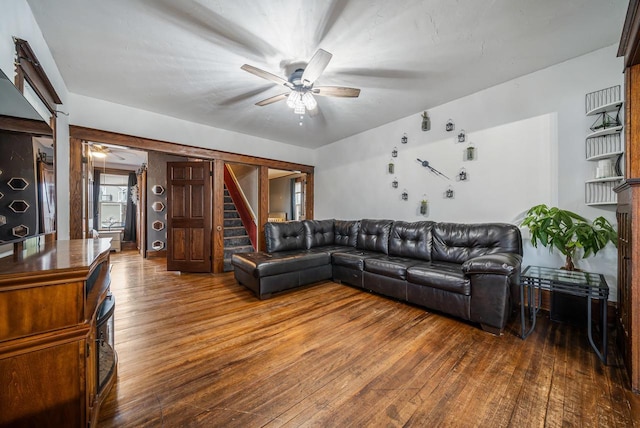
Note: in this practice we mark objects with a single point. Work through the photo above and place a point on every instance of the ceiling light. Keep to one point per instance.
(291, 99)
(98, 154)
(309, 102)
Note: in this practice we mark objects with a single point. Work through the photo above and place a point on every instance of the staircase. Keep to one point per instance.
(236, 239)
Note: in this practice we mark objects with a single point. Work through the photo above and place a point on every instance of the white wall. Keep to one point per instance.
(108, 116)
(529, 134)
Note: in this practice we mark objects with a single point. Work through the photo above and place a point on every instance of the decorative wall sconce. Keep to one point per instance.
(449, 194)
(404, 139)
(18, 183)
(20, 231)
(157, 245)
(450, 126)
(423, 206)
(426, 122)
(394, 183)
(470, 153)
(157, 189)
(391, 167)
(394, 153)
(462, 175)
(462, 136)
(19, 206)
(405, 195)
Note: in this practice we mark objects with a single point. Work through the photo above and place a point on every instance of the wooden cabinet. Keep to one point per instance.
(49, 301)
(628, 209)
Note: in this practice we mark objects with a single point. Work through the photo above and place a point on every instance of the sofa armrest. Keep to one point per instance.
(497, 263)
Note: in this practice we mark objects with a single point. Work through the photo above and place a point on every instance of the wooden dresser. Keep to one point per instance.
(49, 304)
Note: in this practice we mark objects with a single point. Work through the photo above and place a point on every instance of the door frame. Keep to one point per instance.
(78, 134)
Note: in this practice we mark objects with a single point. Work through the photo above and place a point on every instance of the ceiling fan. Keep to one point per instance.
(300, 83)
(101, 151)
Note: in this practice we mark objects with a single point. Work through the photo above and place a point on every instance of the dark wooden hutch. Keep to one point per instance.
(628, 210)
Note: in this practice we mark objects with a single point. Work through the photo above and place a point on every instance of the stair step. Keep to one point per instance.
(231, 214)
(230, 231)
(228, 200)
(229, 206)
(232, 222)
(235, 241)
(238, 249)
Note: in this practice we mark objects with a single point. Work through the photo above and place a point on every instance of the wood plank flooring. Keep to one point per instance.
(199, 350)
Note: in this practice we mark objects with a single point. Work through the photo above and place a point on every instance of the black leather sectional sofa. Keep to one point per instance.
(471, 271)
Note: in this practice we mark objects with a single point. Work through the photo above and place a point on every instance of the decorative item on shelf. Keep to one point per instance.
(605, 168)
(405, 195)
(604, 121)
(391, 167)
(618, 167)
(423, 205)
(394, 183)
(567, 232)
(449, 193)
(394, 153)
(462, 175)
(450, 126)
(426, 122)
(462, 136)
(404, 139)
(470, 152)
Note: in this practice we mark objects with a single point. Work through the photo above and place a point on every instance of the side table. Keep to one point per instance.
(575, 283)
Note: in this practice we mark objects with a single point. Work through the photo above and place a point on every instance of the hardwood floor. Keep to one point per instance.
(200, 350)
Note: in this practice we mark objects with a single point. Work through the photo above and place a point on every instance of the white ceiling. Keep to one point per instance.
(182, 58)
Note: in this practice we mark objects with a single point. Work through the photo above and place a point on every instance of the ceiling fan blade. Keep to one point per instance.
(273, 99)
(316, 66)
(266, 75)
(336, 91)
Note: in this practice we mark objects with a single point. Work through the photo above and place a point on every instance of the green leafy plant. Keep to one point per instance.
(567, 232)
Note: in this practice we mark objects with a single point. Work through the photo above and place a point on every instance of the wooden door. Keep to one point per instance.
(189, 216)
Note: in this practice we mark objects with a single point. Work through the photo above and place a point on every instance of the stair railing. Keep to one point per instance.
(247, 216)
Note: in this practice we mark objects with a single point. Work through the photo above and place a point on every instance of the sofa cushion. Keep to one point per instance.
(374, 235)
(346, 232)
(353, 259)
(393, 267)
(411, 239)
(318, 233)
(284, 236)
(260, 264)
(457, 243)
(442, 275)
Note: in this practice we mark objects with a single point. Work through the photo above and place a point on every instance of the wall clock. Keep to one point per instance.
(425, 164)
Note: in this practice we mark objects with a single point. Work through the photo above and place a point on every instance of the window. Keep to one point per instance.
(112, 203)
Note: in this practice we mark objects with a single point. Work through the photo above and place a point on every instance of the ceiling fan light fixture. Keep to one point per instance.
(299, 108)
(309, 101)
(292, 98)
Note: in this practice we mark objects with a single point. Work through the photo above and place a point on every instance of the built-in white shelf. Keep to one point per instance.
(605, 131)
(605, 179)
(615, 106)
(604, 145)
(605, 156)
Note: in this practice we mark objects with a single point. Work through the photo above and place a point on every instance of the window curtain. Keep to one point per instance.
(130, 218)
(96, 199)
(293, 199)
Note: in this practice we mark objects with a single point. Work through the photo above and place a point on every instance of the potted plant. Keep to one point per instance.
(567, 232)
